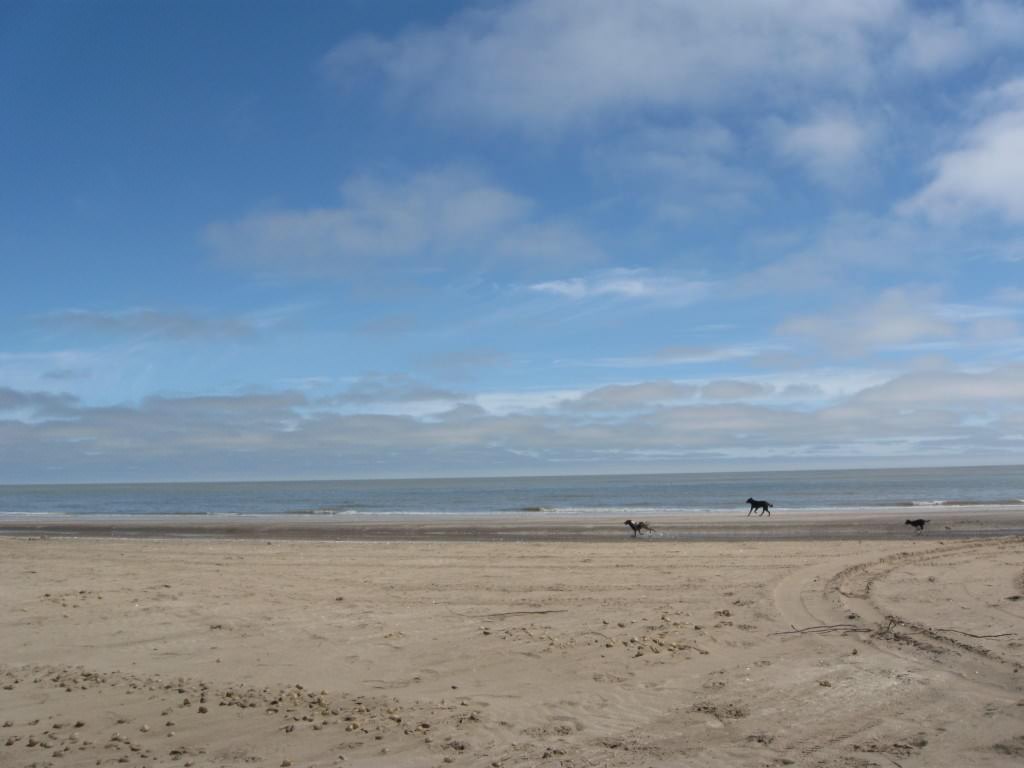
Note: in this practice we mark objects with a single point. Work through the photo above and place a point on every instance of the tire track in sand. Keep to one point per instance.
(872, 703)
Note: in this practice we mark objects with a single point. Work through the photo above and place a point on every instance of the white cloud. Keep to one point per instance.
(989, 322)
(829, 145)
(548, 242)
(631, 397)
(935, 43)
(955, 35)
(995, 329)
(639, 284)
(36, 404)
(678, 355)
(850, 246)
(731, 389)
(391, 388)
(681, 168)
(897, 317)
(995, 388)
(938, 413)
(544, 64)
(424, 222)
(983, 174)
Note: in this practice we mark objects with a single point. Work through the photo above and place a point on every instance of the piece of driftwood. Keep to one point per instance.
(961, 632)
(822, 629)
(506, 613)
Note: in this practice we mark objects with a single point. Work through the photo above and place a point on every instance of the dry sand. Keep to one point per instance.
(592, 652)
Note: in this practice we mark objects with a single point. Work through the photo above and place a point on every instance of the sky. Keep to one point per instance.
(294, 240)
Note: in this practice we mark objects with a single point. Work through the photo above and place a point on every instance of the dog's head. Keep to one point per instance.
(750, 500)
(630, 523)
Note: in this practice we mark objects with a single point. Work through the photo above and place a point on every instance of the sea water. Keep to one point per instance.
(613, 495)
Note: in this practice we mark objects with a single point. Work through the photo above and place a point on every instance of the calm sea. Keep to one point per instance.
(610, 494)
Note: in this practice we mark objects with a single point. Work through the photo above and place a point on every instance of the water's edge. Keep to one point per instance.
(915, 491)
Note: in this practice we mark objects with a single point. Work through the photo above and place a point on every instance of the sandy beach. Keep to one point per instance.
(545, 643)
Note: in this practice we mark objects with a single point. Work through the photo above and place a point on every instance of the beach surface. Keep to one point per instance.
(522, 643)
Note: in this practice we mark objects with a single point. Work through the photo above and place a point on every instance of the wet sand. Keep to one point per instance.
(784, 525)
(545, 646)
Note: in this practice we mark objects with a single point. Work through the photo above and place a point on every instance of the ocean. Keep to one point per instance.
(613, 495)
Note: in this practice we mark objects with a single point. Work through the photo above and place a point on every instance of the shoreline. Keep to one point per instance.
(789, 525)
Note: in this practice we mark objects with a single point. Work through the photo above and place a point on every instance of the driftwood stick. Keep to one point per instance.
(506, 613)
(821, 629)
(968, 634)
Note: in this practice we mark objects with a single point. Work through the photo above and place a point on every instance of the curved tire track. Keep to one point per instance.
(846, 591)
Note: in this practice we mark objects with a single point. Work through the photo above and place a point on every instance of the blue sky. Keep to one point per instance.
(355, 239)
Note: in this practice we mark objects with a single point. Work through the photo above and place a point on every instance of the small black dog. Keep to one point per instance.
(918, 524)
(764, 506)
(638, 526)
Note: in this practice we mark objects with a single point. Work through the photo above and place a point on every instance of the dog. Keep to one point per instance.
(764, 506)
(918, 524)
(638, 526)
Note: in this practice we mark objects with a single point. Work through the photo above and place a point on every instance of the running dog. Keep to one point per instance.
(917, 524)
(755, 504)
(638, 526)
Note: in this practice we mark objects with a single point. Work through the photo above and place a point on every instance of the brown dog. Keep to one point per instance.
(638, 526)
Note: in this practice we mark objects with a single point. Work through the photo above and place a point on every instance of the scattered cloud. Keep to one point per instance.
(638, 284)
(391, 388)
(534, 401)
(542, 65)
(726, 389)
(643, 395)
(679, 355)
(36, 404)
(637, 210)
(897, 317)
(848, 248)
(997, 388)
(831, 146)
(680, 169)
(935, 413)
(981, 175)
(954, 35)
(426, 222)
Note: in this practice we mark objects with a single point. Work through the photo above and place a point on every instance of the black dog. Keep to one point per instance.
(764, 506)
(638, 526)
(918, 524)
